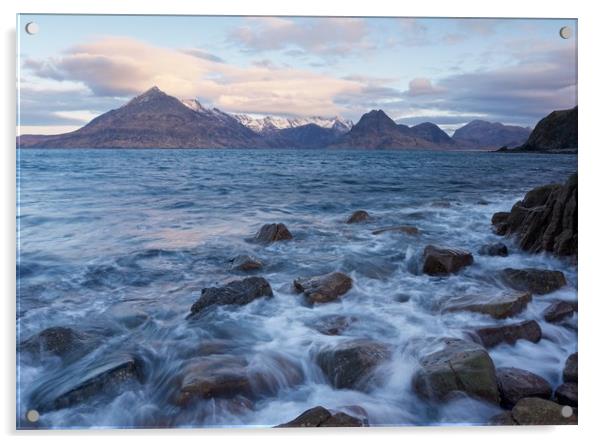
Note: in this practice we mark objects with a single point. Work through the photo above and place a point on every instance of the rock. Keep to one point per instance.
(461, 366)
(534, 280)
(334, 325)
(325, 288)
(510, 333)
(545, 220)
(59, 341)
(497, 249)
(442, 261)
(273, 233)
(497, 306)
(537, 411)
(349, 364)
(358, 216)
(245, 262)
(405, 229)
(320, 417)
(559, 310)
(555, 132)
(234, 293)
(570, 373)
(502, 419)
(566, 394)
(515, 384)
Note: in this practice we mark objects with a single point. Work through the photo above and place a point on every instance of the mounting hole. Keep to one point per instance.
(567, 411)
(33, 415)
(566, 32)
(32, 28)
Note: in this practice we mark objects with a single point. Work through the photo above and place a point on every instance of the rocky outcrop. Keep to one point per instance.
(350, 364)
(570, 372)
(234, 293)
(497, 249)
(538, 411)
(245, 262)
(405, 229)
(273, 233)
(555, 132)
(567, 394)
(440, 261)
(498, 306)
(358, 216)
(533, 280)
(321, 417)
(509, 333)
(461, 366)
(545, 220)
(558, 311)
(325, 288)
(515, 384)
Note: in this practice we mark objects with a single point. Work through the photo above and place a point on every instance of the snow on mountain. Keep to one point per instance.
(269, 124)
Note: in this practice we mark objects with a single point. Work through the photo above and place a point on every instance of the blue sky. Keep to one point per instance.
(447, 71)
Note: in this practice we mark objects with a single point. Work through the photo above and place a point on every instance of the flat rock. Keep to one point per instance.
(461, 366)
(321, 417)
(234, 293)
(538, 411)
(405, 229)
(515, 384)
(497, 249)
(358, 216)
(324, 288)
(533, 280)
(349, 364)
(570, 372)
(567, 393)
(440, 261)
(333, 325)
(491, 336)
(273, 233)
(498, 306)
(245, 262)
(559, 311)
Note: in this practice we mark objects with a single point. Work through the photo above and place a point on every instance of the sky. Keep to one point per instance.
(445, 71)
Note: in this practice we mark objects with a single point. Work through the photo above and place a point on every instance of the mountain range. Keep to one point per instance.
(155, 119)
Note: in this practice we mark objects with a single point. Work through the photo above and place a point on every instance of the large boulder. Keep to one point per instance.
(533, 280)
(358, 216)
(244, 262)
(545, 220)
(491, 336)
(461, 366)
(321, 417)
(538, 411)
(350, 364)
(440, 261)
(498, 306)
(273, 233)
(570, 372)
(324, 288)
(566, 394)
(515, 384)
(559, 310)
(234, 293)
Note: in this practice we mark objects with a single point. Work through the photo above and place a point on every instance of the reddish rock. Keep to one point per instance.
(439, 261)
(559, 310)
(273, 233)
(515, 384)
(534, 280)
(509, 333)
(325, 288)
(498, 306)
(358, 216)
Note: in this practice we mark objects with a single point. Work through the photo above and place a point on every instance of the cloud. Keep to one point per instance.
(421, 86)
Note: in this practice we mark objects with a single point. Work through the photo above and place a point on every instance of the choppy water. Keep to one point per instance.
(119, 244)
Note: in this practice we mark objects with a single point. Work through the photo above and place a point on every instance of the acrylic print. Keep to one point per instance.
(296, 222)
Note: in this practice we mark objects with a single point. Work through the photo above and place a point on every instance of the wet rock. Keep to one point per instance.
(325, 288)
(500, 306)
(570, 372)
(245, 262)
(538, 411)
(509, 334)
(545, 220)
(358, 216)
(320, 417)
(350, 364)
(334, 325)
(273, 233)
(515, 384)
(566, 394)
(402, 297)
(270, 372)
(559, 310)
(59, 341)
(534, 280)
(497, 249)
(405, 229)
(503, 419)
(461, 366)
(440, 261)
(341, 419)
(234, 293)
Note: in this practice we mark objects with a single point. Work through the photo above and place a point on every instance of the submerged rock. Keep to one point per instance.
(358, 216)
(461, 366)
(324, 288)
(405, 229)
(500, 306)
(440, 261)
(59, 341)
(245, 262)
(538, 411)
(515, 384)
(334, 325)
(349, 364)
(559, 310)
(534, 280)
(320, 417)
(567, 393)
(510, 333)
(273, 233)
(234, 293)
(497, 249)
(570, 373)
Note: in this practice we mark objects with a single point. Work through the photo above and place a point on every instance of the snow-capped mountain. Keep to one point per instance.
(270, 124)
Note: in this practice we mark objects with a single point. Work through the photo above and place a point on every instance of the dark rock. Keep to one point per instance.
(538, 411)
(515, 384)
(442, 261)
(461, 366)
(333, 325)
(567, 393)
(245, 263)
(405, 229)
(341, 419)
(570, 372)
(325, 288)
(559, 310)
(273, 233)
(497, 306)
(498, 249)
(59, 341)
(555, 132)
(534, 280)
(349, 364)
(500, 218)
(358, 216)
(503, 419)
(510, 333)
(320, 417)
(234, 293)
